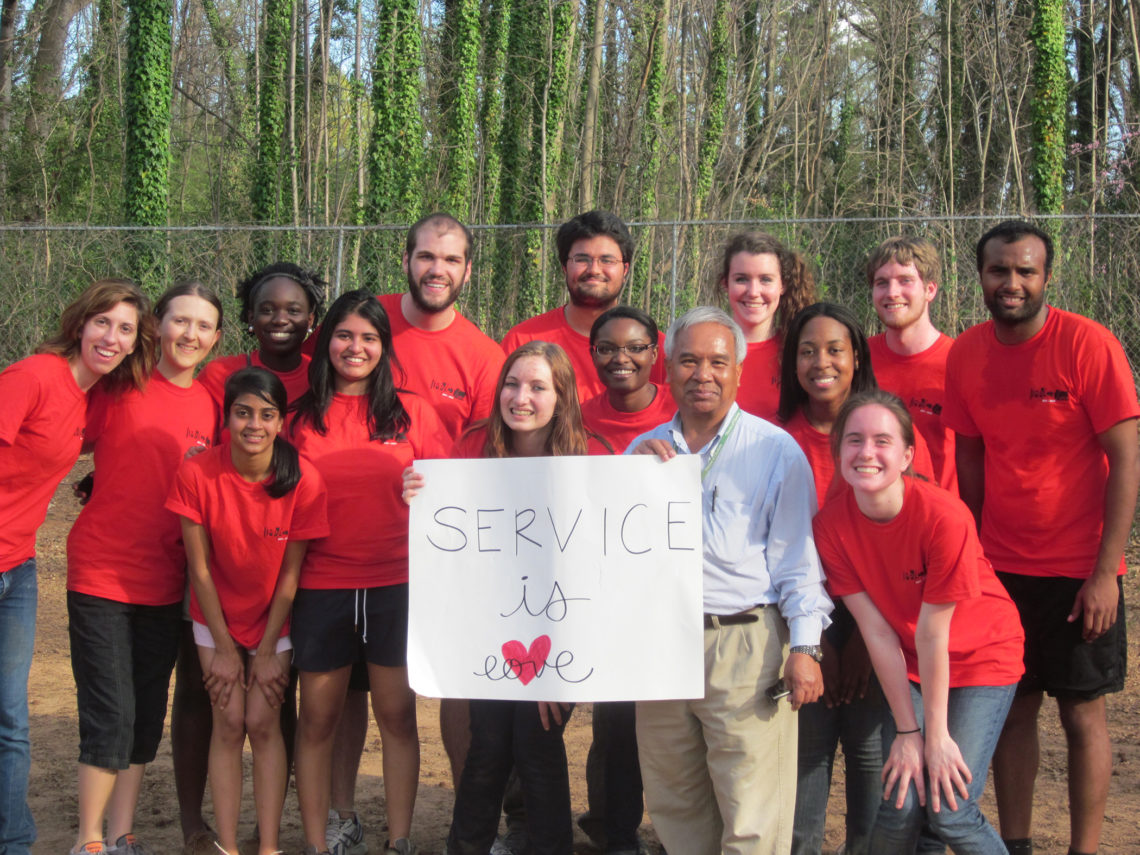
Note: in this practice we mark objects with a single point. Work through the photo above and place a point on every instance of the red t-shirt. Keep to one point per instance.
(759, 391)
(217, 371)
(1038, 406)
(619, 428)
(248, 532)
(453, 369)
(552, 327)
(125, 546)
(41, 434)
(920, 380)
(816, 447)
(368, 546)
(929, 553)
(470, 445)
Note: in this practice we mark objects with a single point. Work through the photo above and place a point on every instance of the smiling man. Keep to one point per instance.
(1045, 410)
(594, 249)
(909, 357)
(720, 771)
(445, 358)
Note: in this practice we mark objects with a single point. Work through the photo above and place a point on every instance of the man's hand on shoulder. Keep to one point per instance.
(803, 678)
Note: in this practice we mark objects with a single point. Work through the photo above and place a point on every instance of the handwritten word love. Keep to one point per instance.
(525, 664)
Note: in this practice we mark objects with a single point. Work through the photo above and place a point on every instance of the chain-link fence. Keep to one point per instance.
(516, 271)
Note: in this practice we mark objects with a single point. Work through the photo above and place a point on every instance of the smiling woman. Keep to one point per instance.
(944, 636)
(126, 566)
(623, 342)
(105, 336)
(538, 415)
(361, 432)
(280, 304)
(248, 509)
(766, 285)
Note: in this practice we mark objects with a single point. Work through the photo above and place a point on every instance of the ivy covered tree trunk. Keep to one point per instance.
(396, 151)
(497, 15)
(8, 9)
(147, 102)
(651, 34)
(553, 107)
(459, 97)
(716, 95)
(1050, 96)
(553, 36)
(514, 153)
(271, 112)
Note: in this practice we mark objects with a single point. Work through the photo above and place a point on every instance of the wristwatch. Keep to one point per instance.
(812, 650)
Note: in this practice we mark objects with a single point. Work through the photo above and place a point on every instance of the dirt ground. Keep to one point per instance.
(55, 747)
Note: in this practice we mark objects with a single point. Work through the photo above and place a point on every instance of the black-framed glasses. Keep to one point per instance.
(583, 260)
(607, 350)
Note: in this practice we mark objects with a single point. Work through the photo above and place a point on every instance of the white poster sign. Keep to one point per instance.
(557, 579)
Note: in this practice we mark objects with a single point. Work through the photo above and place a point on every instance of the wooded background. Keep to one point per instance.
(834, 121)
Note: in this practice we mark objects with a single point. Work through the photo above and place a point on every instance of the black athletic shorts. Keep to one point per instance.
(1057, 659)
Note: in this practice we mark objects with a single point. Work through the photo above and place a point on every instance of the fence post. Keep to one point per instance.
(673, 279)
(339, 259)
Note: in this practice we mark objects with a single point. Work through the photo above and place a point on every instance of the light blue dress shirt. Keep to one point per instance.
(758, 499)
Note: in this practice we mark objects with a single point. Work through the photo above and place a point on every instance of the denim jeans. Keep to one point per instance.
(506, 734)
(17, 638)
(857, 726)
(975, 716)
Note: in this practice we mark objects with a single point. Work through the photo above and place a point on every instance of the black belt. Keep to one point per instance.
(747, 616)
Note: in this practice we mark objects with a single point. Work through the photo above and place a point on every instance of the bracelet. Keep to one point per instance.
(905, 732)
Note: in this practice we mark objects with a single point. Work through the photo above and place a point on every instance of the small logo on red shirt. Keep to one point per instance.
(916, 576)
(448, 390)
(279, 532)
(198, 437)
(1047, 396)
(922, 405)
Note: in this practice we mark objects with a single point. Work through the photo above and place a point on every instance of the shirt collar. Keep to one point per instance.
(676, 429)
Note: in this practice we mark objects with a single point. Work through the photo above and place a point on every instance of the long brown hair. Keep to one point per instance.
(102, 296)
(567, 435)
(795, 273)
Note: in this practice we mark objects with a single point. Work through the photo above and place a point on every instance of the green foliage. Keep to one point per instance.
(147, 103)
(459, 98)
(650, 35)
(1050, 98)
(514, 153)
(715, 104)
(396, 150)
(267, 178)
(147, 107)
(557, 99)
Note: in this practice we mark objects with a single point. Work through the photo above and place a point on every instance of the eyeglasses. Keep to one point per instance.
(588, 260)
(607, 350)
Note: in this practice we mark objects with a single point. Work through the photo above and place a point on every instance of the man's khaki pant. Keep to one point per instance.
(720, 772)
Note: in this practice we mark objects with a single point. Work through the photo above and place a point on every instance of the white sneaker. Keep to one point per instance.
(345, 836)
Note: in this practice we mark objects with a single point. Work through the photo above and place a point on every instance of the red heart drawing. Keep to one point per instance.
(526, 664)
